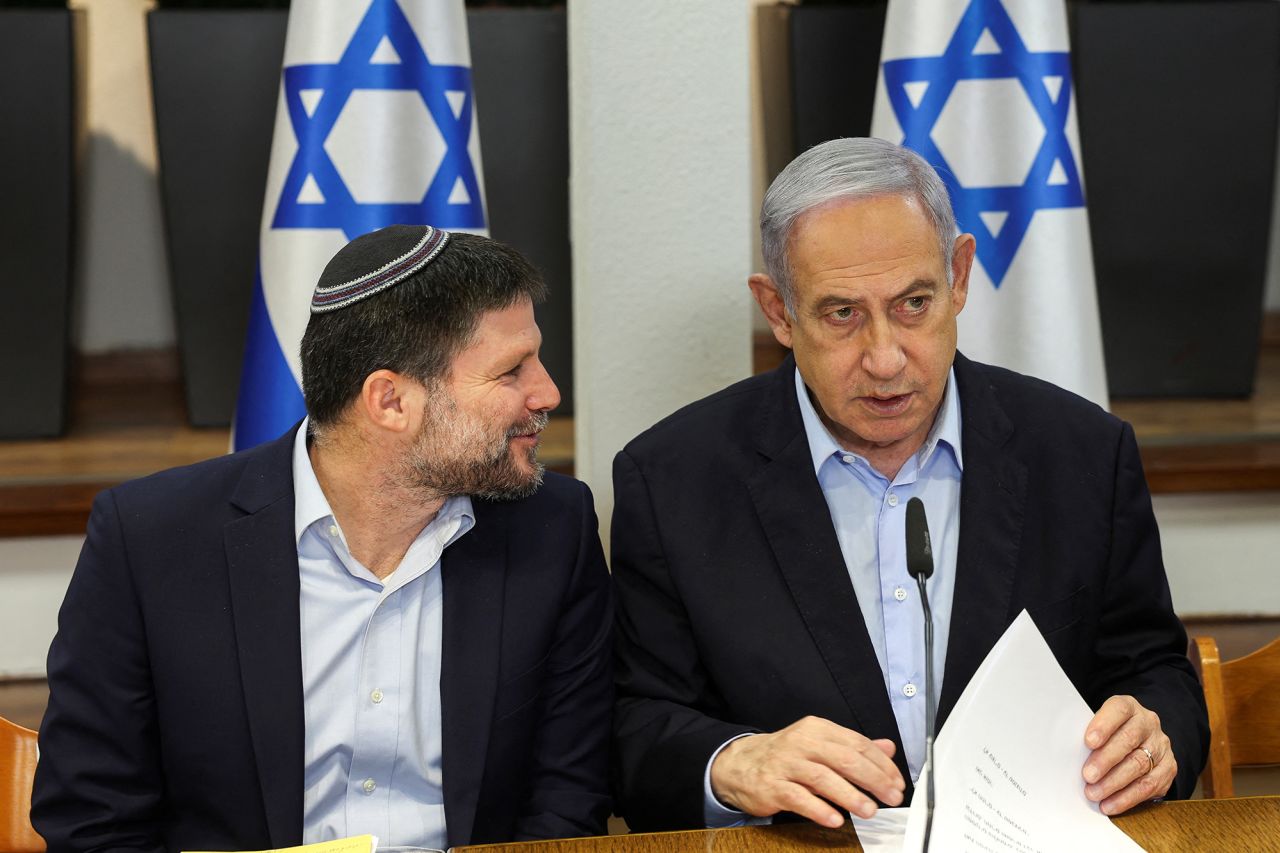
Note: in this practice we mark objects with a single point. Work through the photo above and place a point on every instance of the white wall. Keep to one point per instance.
(661, 170)
(33, 575)
(1222, 551)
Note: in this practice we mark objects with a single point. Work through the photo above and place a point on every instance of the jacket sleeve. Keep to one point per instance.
(569, 779)
(99, 784)
(662, 743)
(1142, 646)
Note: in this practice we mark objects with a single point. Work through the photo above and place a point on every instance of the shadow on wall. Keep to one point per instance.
(121, 297)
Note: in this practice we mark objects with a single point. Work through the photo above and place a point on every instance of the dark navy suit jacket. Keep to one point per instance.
(175, 716)
(736, 612)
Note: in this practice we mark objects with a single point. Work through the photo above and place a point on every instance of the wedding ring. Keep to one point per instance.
(1151, 758)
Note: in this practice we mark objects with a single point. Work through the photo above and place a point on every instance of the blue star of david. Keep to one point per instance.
(995, 249)
(353, 71)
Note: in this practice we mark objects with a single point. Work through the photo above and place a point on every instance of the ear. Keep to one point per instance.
(770, 302)
(961, 266)
(385, 401)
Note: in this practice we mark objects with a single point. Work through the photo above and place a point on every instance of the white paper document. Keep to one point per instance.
(882, 833)
(1009, 760)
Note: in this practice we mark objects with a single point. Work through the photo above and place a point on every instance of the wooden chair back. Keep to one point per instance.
(1243, 697)
(17, 771)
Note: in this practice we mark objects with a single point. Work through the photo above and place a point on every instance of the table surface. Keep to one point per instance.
(1241, 825)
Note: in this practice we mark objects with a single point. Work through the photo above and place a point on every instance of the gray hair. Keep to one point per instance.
(848, 170)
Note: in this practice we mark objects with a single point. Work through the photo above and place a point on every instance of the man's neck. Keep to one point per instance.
(379, 516)
(887, 459)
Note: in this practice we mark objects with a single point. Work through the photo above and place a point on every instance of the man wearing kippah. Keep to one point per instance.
(387, 621)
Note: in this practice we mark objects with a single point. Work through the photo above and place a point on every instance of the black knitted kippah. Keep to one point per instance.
(375, 261)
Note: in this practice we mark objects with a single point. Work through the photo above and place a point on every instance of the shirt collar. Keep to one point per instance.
(310, 505)
(945, 429)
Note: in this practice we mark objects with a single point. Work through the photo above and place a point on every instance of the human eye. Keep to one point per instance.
(915, 304)
(843, 314)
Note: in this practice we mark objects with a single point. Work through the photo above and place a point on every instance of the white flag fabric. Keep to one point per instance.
(983, 90)
(376, 125)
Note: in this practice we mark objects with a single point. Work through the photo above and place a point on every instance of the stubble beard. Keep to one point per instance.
(458, 453)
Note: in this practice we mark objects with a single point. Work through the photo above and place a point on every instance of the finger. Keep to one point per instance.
(1148, 787)
(1135, 732)
(866, 763)
(1138, 775)
(1110, 717)
(869, 768)
(1128, 770)
(834, 788)
(847, 743)
(796, 798)
(886, 746)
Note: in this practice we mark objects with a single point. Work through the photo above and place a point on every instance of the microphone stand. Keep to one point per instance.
(929, 710)
(920, 567)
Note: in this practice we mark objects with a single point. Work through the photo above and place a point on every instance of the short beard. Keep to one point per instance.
(458, 454)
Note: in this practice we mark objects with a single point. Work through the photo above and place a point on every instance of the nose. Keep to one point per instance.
(543, 396)
(883, 359)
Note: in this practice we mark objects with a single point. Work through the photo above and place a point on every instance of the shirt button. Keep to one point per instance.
(333, 530)
(893, 499)
(369, 786)
(900, 594)
(908, 690)
(848, 460)
(376, 696)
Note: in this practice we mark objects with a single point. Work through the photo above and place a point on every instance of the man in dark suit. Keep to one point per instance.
(769, 651)
(386, 621)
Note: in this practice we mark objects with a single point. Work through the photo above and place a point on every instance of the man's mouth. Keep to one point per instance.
(886, 405)
(529, 430)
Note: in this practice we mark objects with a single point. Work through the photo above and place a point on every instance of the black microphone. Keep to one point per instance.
(920, 567)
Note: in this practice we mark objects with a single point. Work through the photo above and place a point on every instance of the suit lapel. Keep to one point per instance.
(796, 521)
(992, 496)
(262, 562)
(474, 573)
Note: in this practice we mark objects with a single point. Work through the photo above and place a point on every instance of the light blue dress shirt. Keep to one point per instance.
(868, 511)
(370, 676)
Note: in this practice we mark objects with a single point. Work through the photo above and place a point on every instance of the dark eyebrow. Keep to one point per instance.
(832, 301)
(836, 301)
(928, 284)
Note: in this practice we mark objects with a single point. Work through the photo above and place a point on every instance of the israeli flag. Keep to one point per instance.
(983, 90)
(376, 125)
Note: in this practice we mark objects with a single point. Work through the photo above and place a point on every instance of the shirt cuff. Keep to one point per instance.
(717, 815)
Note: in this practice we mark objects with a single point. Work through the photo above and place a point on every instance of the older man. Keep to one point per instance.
(384, 622)
(758, 535)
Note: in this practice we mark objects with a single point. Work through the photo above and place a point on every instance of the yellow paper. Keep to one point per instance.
(354, 844)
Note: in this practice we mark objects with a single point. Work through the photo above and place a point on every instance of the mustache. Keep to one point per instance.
(535, 423)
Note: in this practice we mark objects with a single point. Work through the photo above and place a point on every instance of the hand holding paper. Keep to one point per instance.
(1132, 761)
(1009, 757)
